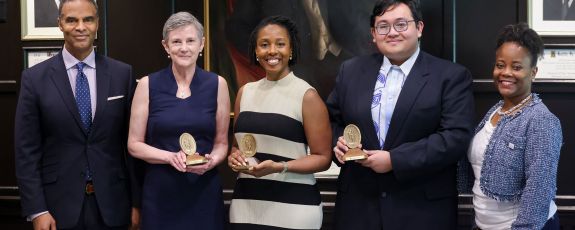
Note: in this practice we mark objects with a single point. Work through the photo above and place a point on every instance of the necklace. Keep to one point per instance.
(514, 108)
(181, 92)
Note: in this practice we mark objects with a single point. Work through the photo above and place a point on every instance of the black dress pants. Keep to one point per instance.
(90, 218)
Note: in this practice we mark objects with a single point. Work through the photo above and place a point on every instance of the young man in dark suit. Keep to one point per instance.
(71, 131)
(415, 113)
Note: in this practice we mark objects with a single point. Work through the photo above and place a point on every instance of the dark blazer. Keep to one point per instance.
(52, 148)
(429, 131)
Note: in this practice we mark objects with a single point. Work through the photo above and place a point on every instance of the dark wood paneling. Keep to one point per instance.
(561, 105)
(477, 25)
(2, 10)
(135, 34)
(10, 44)
(436, 37)
(11, 66)
(8, 102)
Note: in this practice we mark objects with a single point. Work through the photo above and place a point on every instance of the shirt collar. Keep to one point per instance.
(405, 67)
(70, 61)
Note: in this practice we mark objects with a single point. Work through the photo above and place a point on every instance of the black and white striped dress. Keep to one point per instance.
(272, 112)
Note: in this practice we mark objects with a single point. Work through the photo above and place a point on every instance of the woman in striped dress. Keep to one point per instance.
(285, 115)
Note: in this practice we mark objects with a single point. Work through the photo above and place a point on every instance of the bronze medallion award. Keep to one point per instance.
(352, 136)
(248, 149)
(188, 145)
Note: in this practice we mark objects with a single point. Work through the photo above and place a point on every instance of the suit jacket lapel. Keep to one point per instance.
(409, 93)
(365, 91)
(59, 76)
(102, 87)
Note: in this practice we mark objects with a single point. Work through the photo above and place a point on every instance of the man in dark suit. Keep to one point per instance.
(558, 10)
(71, 132)
(415, 113)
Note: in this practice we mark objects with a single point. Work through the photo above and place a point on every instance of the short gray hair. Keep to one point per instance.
(62, 2)
(181, 19)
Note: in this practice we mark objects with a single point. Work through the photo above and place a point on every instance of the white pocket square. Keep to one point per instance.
(115, 97)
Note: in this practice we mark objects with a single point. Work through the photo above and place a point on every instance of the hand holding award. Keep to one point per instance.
(188, 146)
(248, 147)
(352, 137)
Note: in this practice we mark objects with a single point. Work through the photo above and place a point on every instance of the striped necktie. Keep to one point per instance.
(385, 95)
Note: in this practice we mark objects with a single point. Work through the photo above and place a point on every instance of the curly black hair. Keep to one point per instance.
(284, 22)
(525, 37)
(383, 5)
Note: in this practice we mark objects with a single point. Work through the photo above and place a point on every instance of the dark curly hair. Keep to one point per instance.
(525, 37)
(383, 5)
(284, 22)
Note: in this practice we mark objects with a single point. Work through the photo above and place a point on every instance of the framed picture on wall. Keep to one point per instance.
(40, 20)
(552, 17)
(35, 55)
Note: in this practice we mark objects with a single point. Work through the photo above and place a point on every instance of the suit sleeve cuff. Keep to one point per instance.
(33, 216)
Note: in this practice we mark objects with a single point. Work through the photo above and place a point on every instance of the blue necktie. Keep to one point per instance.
(83, 97)
(84, 105)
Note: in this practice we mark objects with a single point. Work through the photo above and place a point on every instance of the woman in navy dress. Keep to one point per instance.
(181, 98)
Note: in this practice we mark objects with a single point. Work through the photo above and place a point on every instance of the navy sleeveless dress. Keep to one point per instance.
(172, 199)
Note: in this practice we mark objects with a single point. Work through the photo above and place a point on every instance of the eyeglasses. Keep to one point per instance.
(399, 26)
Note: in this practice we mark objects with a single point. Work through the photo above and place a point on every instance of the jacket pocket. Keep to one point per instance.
(49, 171)
(511, 151)
(49, 177)
(504, 173)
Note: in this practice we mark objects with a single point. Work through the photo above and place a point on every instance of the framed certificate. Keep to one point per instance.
(35, 55)
(557, 64)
